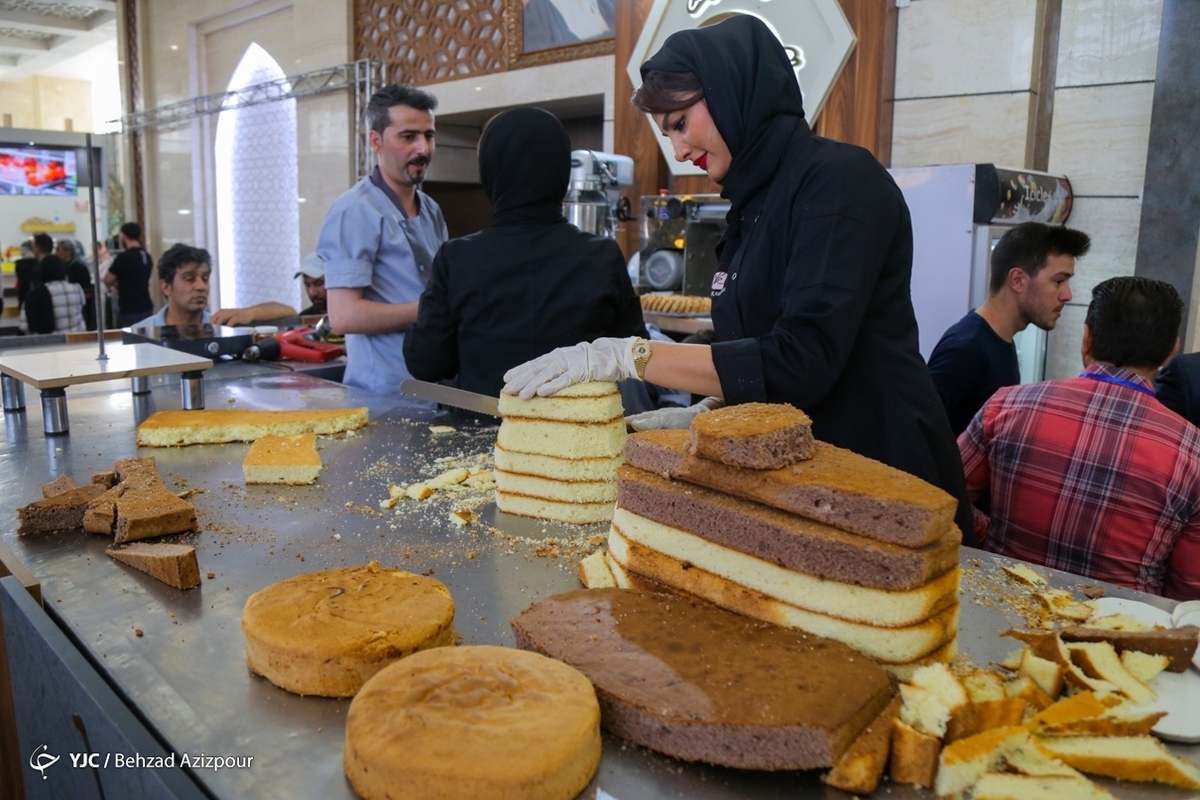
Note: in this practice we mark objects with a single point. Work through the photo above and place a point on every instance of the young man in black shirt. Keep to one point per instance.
(1030, 276)
(130, 274)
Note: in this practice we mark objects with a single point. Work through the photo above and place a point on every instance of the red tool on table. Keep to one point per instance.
(294, 345)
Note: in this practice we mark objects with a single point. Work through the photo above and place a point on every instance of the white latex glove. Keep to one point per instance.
(601, 360)
(661, 418)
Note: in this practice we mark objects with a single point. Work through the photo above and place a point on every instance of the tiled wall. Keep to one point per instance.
(45, 103)
(963, 78)
(1103, 90)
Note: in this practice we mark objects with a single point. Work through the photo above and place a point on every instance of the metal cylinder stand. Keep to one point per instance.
(192, 385)
(14, 393)
(54, 412)
(140, 384)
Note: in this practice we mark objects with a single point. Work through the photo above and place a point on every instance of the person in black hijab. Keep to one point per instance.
(528, 284)
(811, 300)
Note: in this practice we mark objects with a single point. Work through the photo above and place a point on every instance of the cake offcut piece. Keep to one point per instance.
(792, 542)
(836, 486)
(763, 697)
(914, 755)
(753, 435)
(594, 401)
(173, 564)
(150, 510)
(1010, 786)
(1177, 644)
(473, 723)
(860, 768)
(291, 459)
(214, 426)
(325, 633)
(1128, 758)
(59, 512)
(62, 483)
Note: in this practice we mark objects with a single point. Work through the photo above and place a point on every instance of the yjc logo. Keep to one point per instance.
(42, 760)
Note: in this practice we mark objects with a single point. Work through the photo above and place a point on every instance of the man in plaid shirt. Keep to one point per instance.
(1093, 475)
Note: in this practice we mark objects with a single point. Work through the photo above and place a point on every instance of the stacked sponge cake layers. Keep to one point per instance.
(557, 457)
(837, 545)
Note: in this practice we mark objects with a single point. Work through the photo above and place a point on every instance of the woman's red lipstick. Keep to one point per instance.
(702, 161)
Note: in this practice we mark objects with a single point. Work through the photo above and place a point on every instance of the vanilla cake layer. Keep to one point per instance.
(175, 428)
(880, 607)
(574, 513)
(943, 655)
(562, 439)
(596, 401)
(552, 489)
(566, 469)
(283, 459)
(890, 645)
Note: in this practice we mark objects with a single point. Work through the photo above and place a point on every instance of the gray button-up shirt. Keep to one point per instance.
(368, 243)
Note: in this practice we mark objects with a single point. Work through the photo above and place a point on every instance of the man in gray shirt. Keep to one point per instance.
(379, 239)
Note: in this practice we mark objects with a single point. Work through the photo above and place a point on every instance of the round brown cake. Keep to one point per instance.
(326, 633)
(473, 723)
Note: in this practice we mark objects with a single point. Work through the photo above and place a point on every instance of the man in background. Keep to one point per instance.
(183, 274)
(1030, 277)
(312, 273)
(379, 239)
(129, 275)
(1093, 475)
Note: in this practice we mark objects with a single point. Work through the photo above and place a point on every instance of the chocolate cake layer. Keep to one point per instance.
(59, 512)
(835, 486)
(1177, 644)
(753, 435)
(784, 539)
(688, 679)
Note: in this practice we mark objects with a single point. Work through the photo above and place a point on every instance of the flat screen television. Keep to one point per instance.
(29, 170)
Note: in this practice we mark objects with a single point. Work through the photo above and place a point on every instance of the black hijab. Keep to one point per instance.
(751, 92)
(524, 164)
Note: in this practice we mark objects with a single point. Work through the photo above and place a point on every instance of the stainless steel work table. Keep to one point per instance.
(186, 675)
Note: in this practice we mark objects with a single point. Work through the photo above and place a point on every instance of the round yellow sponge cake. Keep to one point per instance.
(473, 723)
(326, 633)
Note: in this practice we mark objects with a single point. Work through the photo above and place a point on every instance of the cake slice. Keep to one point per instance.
(1177, 644)
(144, 512)
(788, 540)
(559, 510)
(105, 479)
(290, 459)
(763, 697)
(1047, 674)
(836, 487)
(984, 686)
(602, 468)
(62, 483)
(101, 514)
(1128, 758)
(564, 491)
(59, 512)
(1144, 666)
(173, 564)
(214, 426)
(914, 755)
(562, 439)
(937, 679)
(1009, 786)
(964, 762)
(753, 435)
(860, 768)
(594, 401)
(1100, 660)
(594, 572)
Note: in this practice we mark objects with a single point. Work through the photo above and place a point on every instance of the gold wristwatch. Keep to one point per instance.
(641, 357)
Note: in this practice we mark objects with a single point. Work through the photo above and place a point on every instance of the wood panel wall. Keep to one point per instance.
(858, 110)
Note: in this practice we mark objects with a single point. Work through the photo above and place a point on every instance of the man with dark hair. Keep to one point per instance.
(1093, 474)
(129, 275)
(1029, 282)
(379, 239)
(183, 274)
(43, 245)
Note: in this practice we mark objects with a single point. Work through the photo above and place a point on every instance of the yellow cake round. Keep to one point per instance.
(326, 633)
(473, 723)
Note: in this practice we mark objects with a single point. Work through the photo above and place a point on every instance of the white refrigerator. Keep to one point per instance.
(959, 212)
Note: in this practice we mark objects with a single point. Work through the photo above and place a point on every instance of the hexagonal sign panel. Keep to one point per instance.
(815, 34)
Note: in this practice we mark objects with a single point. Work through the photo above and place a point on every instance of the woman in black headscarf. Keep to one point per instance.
(811, 301)
(528, 284)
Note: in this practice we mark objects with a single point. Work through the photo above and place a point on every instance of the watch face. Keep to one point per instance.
(641, 348)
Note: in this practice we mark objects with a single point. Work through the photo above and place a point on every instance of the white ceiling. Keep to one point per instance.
(38, 37)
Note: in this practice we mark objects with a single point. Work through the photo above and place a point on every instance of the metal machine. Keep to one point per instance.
(592, 197)
(679, 235)
(959, 212)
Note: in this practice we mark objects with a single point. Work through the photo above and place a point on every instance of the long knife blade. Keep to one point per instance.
(448, 395)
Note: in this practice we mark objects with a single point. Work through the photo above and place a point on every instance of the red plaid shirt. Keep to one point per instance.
(1091, 477)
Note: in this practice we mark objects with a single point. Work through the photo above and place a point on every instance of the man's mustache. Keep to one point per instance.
(419, 161)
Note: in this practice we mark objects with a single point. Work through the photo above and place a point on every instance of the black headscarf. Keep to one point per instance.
(751, 92)
(524, 164)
